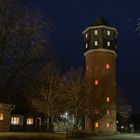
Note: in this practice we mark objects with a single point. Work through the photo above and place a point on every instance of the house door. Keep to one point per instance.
(38, 123)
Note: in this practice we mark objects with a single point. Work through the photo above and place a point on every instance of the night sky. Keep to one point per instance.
(69, 18)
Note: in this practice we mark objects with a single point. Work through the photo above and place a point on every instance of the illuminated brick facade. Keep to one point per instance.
(100, 57)
(5, 115)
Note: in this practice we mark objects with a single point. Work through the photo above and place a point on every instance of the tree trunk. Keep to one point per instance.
(48, 123)
(76, 123)
(76, 118)
(50, 127)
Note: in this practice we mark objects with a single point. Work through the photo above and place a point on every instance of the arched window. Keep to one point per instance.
(107, 66)
(107, 99)
(1, 116)
(96, 124)
(96, 82)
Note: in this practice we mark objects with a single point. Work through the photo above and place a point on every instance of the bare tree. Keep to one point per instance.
(95, 106)
(73, 88)
(124, 110)
(21, 42)
(46, 97)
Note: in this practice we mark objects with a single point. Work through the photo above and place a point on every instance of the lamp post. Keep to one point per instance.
(66, 114)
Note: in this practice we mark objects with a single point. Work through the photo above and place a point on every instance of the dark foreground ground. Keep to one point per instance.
(49, 136)
(31, 136)
(116, 137)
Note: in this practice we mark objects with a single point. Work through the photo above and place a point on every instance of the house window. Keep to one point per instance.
(108, 33)
(107, 112)
(107, 125)
(108, 43)
(107, 99)
(15, 120)
(96, 43)
(86, 45)
(96, 112)
(96, 82)
(107, 66)
(1, 116)
(96, 32)
(96, 124)
(86, 35)
(29, 121)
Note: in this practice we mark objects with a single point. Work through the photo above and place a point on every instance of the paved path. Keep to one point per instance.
(117, 137)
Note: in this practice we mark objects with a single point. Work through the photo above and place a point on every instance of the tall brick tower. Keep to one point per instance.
(100, 56)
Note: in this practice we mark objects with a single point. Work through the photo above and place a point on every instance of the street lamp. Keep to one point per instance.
(66, 114)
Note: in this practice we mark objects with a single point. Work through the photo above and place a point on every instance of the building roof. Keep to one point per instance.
(101, 21)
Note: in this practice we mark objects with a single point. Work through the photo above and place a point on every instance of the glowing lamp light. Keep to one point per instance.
(96, 124)
(1, 116)
(107, 99)
(108, 32)
(107, 66)
(108, 43)
(29, 121)
(15, 120)
(107, 125)
(66, 113)
(122, 127)
(96, 32)
(96, 43)
(96, 82)
(86, 45)
(86, 35)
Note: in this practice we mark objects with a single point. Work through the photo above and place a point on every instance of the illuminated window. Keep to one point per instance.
(107, 112)
(29, 121)
(1, 116)
(96, 43)
(96, 32)
(87, 67)
(96, 82)
(86, 45)
(15, 120)
(86, 35)
(108, 43)
(107, 99)
(108, 32)
(107, 66)
(96, 111)
(107, 125)
(96, 124)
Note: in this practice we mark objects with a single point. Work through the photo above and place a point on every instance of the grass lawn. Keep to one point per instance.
(31, 136)
(61, 136)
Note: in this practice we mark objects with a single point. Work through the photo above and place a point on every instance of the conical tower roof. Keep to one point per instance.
(101, 21)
